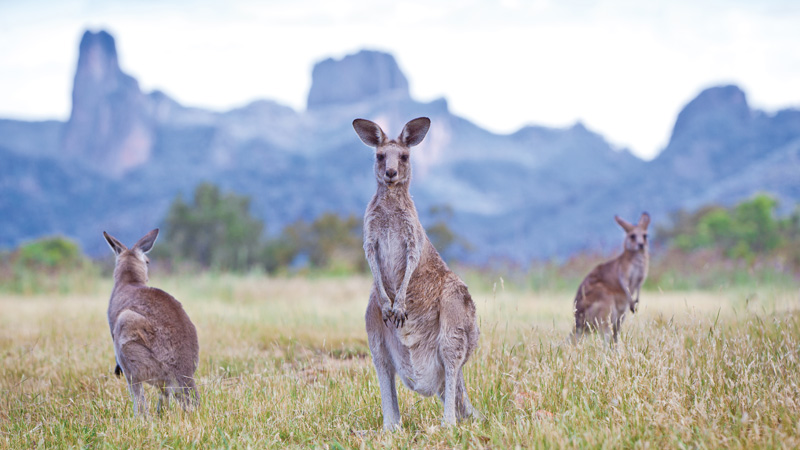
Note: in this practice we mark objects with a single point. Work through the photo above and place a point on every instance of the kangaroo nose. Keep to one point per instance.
(391, 173)
(641, 246)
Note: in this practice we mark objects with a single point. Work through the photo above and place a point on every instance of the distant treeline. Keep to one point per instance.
(749, 236)
(746, 231)
(717, 245)
(217, 231)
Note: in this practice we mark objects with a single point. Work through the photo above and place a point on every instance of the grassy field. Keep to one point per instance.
(284, 363)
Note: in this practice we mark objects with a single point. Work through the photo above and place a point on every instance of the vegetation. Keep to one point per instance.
(719, 246)
(284, 363)
(215, 231)
(745, 231)
(46, 265)
(443, 238)
(329, 242)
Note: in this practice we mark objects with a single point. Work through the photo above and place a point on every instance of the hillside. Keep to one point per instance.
(540, 192)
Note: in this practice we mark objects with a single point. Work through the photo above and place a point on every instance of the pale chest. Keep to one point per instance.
(637, 271)
(392, 250)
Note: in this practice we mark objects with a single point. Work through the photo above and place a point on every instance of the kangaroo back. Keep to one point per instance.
(155, 342)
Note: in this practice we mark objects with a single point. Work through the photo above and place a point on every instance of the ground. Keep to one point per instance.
(284, 362)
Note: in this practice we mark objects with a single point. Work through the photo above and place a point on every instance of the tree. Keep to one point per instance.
(757, 226)
(443, 238)
(215, 230)
(329, 242)
(748, 229)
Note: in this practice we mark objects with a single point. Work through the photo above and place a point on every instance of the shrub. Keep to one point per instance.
(49, 264)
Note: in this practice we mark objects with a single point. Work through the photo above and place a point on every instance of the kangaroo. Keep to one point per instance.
(612, 288)
(154, 340)
(420, 319)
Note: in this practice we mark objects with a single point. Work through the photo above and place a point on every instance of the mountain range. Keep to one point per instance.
(538, 193)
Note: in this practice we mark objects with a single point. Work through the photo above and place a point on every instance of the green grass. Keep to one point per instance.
(285, 363)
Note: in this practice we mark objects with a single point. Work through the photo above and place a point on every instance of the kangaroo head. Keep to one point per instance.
(131, 263)
(636, 235)
(392, 167)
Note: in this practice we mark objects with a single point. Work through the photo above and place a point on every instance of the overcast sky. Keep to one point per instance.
(623, 68)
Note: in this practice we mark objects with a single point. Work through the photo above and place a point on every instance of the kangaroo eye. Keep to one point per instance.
(645, 236)
(381, 156)
(404, 158)
(633, 237)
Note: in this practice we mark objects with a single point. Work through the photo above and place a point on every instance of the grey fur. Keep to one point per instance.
(154, 340)
(420, 319)
(612, 288)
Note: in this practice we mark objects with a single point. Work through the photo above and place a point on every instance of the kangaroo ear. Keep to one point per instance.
(146, 242)
(644, 221)
(414, 131)
(369, 132)
(623, 223)
(116, 246)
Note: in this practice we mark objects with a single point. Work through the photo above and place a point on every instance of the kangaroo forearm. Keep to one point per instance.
(401, 295)
(376, 273)
(625, 288)
(412, 261)
(375, 268)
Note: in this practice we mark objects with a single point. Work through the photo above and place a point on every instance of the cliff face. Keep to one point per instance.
(109, 129)
(367, 75)
(537, 193)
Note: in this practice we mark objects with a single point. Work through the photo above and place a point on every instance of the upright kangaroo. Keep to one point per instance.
(613, 287)
(421, 322)
(154, 340)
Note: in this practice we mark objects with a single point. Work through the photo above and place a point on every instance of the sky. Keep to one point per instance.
(622, 68)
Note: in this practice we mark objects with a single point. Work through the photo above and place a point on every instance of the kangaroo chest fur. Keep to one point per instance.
(632, 271)
(392, 257)
(393, 221)
(393, 248)
(636, 271)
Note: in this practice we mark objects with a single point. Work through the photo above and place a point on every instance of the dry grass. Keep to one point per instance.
(284, 363)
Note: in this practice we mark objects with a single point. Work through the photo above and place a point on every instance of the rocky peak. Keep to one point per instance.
(364, 75)
(717, 135)
(97, 58)
(715, 109)
(109, 128)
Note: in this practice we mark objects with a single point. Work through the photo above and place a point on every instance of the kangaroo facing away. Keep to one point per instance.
(612, 288)
(154, 340)
(420, 319)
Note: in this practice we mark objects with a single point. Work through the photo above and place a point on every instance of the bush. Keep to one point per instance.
(215, 231)
(50, 264)
(718, 246)
(330, 242)
(744, 231)
(51, 252)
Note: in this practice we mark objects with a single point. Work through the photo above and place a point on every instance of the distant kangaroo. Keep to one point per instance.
(154, 340)
(421, 321)
(613, 287)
